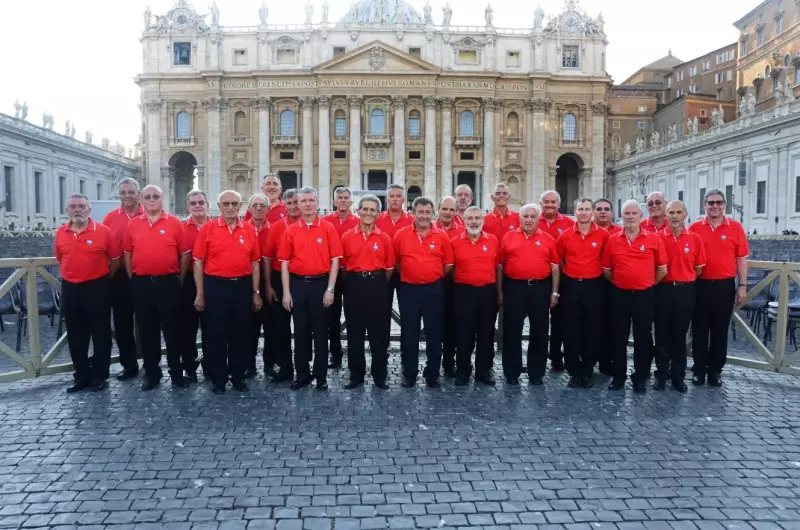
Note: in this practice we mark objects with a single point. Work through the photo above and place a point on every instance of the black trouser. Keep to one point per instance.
(310, 319)
(674, 306)
(626, 307)
(335, 321)
(280, 328)
(156, 301)
(582, 304)
(525, 299)
(556, 334)
(258, 321)
(188, 322)
(394, 283)
(122, 309)
(604, 356)
(424, 301)
(365, 309)
(226, 326)
(710, 322)
(86, 308)
(449, 326)
(475, 312)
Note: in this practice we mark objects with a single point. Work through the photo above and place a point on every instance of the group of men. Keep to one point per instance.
(579, 283)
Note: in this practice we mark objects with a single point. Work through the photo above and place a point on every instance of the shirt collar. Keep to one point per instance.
(160, 217)
(239, 223)
(122, 211)
(593, 227)
(642, 232)
(190, 221)
(558, 218)
(537, 232)
(725, 221)
(434, 229)
(316, 222)
(498, 214)
(465, 235)
(375, 229)
(253, 224)
(90, 226)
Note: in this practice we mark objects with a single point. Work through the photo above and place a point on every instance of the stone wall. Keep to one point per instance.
(26, 244)
(775, 248)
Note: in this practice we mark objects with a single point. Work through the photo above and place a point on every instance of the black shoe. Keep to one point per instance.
(535, 381)
(77, 387)
(191, 376)
(462, 380)
(218, 388)
(97, 386)
(575, 382)
(680, 386)
(557, 366)
(660, 384)
(513, 381)
(354, 383)
(639, 387)
(127, 374)
(698, 380)
(432, 383)
(335, 364)
(322, 384)
(283, 375)
(270, 372)
(616, 384)
(606, 370)
(180, 382)
(715, 381)
(297, 384)
(586, 382)
(381, 384)
(250, 373)
(408, 383)
(486, 379)
(449, 372)
(150, 384)
(241, 385)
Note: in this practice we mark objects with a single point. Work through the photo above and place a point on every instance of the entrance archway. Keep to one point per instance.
(470, 179)
(288, 179)
(568, 171)
(378, 180)
(412, 193)
(182, 169)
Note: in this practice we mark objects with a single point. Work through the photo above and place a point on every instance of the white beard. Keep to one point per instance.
(474, 232)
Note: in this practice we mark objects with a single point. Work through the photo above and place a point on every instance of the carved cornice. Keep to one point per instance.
(600, 108)
(355, 101)
(430, 102)
(153, 105)
(261, 102)
(541, 104)
(446, 103)
(308, 101)
(399, 102)
(215, 103)
(324, 101)
(489, 104)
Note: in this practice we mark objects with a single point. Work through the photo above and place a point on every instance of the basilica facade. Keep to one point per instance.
(383, 96)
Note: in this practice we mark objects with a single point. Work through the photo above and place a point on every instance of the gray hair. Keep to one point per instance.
(307, 190)
(471, 209)
(342, 190)
(632, 202)
(196, 192)
(463, 187)
(133, 182)
(545, 193)
(257, 196)
(500, 185)
(655, 193)
(714, 191)
(396, 187)
(268, 175)
(78, 196)
(291, 193)
(154, 187)
(581, 201)
(369, 198)
(530, 206)
(234, 192)
(445, 198)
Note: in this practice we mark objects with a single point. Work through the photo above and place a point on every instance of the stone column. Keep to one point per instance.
(213, 106)
(355, 142)
(264, 106)
(399, 140)
(430, 148)
(529, 167)
(489, 105)
(308, 140)
(153, 107)
(324, 172)
(214, 39)
(595, 182)
(447, 146)
(539, 176)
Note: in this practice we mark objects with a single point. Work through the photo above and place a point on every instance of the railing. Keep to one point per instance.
(182, 142)
(285, 139)
(468, 140)
(377, 139)
(241, 139)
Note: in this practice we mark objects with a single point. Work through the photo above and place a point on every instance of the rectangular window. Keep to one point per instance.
(615, 125)
(760, 36)
(797, 76)
(37, 191)
(182, 53)
(642, 125)
(729, 75)
(286, 55)
(728, 199)
(702, 200)
(719, 94)
(779, 25)
(468, 56)
(286, 155)
(415, 155)
(797, 194)
(680, 195)
(569, 57)
(692, 71)
(679, 93)
(416, 52)
(99, 191)
(341, 155)
(680, 75)
(720, 58)
(744, 47)
(82, 187)
(8, 178)
(62, 193)
(240, 57)
(702, 113)
(340, 127)
(512, 59)
(468, 155)
(669, 82)
(761, 197)
(414, 127)
(339, 50)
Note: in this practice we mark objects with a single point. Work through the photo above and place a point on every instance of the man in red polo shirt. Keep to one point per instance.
(604, 216)
(686, 257)
(553, 223)
(528, 283)
(257, 207)
(476, 256)
(634, 261)
(424, 256)
(156, 257)
(121, 299)
(279, 320)
(189, 319)
(309, 253)
(342, 220)
(368, 257)
(580, 249)
(501, 220)
(726, 250)
(271, 187)
(464, 200)
(446, 222)
(657, 208)
(226, 271)
(88, 254)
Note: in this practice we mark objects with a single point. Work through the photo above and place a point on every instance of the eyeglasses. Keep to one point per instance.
(197, 203)
(603, 209)
(715, 203)
(130, 192)
(230, 204)
(655, 203)
(258, 206)
(153, 197)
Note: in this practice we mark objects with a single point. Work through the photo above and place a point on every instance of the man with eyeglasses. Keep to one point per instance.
(197, 205)
(156, 258)
(464, 200)
(309, 253)
(227, 275)
(726, 251)
(554, 223)
(604, 216)
(258, 211)
(342, 220)
(280, 320)
(121, 298)
(271, 188)
(657, 208)
(446, 222)
(501, 220)
(88, 255)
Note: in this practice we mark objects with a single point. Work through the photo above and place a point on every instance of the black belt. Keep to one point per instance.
(368, 274)
(531, 282)
(582, 279)
(155, 278)
(309, 279)
(236, 279)
(716, 280)
(678, 284)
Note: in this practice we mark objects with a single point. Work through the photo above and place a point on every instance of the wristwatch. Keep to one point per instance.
(557, 295)
(329, 290)
(256, 292)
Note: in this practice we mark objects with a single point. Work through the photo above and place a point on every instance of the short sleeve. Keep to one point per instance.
(743, 247)
(200, 250)
(605, 261)
(447, 254)
(128, 247)
(113, 245)
(661, 253)
(561, 248)
(183, 243)
(554, 259)
(502, 251)
(286, 245)
(271, 246)
(56, 246)
(701, 252)
(334, 243)
(391, 261)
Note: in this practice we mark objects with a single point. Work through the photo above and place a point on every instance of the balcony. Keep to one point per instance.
(181, 142)
(240, 139)
(340, 138)
(285, 139)
(468, 141)
(377, 139)
(513, 140)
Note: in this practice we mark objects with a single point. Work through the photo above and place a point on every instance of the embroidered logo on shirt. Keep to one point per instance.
(538, 243)
(241, 240)
(432, 246)
(319, 241)
(282, 215)
(724, 238)
(162, 231)
(89, 242)
(594, 244)
(641, 249)
(375, 246)
(510, 228)
(685, 250)
(560, 230)
(483, 248)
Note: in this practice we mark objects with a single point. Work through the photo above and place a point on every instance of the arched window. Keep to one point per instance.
(377, 122)
(767, 70)
(287, 123)
(413, 193)
(339, 124)
(466, 123)
(414, 124)
(183, 128)
(512, 128)
(239, 124)
(569, 128)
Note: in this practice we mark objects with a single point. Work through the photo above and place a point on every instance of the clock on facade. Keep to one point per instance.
(181, 17)
(571, 23)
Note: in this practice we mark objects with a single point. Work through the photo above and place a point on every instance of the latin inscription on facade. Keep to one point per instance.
(368, 83)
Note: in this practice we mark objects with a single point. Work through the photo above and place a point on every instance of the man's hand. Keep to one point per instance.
(499, 299)
(553, 300)
(257, 303)
(270, 295)
(288, 304)
(200, 303)
(741, 294)
(327, 299)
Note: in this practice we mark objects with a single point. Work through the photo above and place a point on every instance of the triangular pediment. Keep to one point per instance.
(377, 58)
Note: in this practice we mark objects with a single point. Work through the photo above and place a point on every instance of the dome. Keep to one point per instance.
(380, 12)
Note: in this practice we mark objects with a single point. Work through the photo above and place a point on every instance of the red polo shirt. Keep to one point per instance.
(228, 252)
(684, 253)
(274, 214)
(385, 223)
(261, 235)
(723, 245)
(560, 224)
(454, 230)
(310, 248)
(634, 262)
(117, 220)
(612, 228)
(499, 225)
(580, 254)
(367, 253)
(342, 226)
(422, 259)
(190, 231)
(458, 220)
(475, 262)
(528, 257)
(84, 256)
(647, 224)
(270, 251)
(155, 248)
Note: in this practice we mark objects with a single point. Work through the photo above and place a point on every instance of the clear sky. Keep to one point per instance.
(77, 58)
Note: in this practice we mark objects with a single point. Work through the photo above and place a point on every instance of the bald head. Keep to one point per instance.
(656, 205)
(676, 215)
